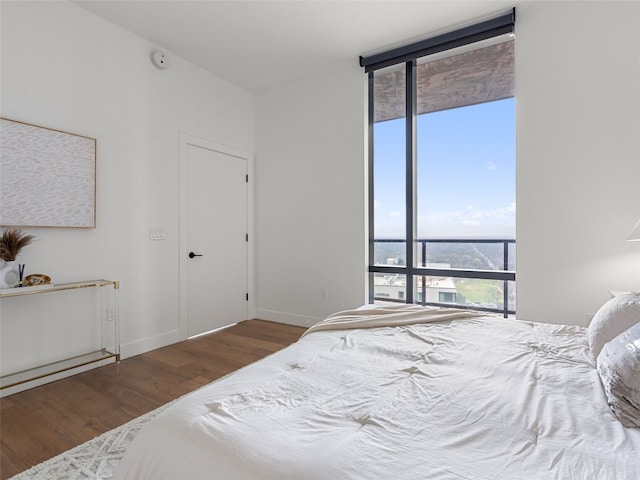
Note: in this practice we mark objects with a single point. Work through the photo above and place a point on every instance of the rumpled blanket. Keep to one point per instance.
(388, 316)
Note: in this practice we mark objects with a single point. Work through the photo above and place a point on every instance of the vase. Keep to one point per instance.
(9, 274)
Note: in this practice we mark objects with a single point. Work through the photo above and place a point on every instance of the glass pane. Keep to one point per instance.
(465, 255)
(512, 256)
(512, 295)
(390, 253)
(389, 153)
(466, 148)
(436, 290)
(389, 287)
(467, 292)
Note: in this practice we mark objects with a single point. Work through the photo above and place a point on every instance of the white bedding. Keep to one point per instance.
(469, 398)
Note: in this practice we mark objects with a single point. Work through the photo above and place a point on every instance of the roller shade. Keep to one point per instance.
(478, 76)
(457, 38)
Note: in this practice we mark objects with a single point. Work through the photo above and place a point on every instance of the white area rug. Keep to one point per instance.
(96, 459)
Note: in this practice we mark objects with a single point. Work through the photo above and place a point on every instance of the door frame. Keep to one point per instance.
(187, 140)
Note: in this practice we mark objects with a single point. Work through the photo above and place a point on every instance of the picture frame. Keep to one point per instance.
(47, 177)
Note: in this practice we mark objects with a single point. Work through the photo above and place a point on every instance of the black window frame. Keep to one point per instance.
(409, 54)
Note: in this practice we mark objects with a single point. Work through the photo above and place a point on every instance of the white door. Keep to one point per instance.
(214, 238)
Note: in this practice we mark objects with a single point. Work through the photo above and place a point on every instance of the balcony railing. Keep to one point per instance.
(446, 269)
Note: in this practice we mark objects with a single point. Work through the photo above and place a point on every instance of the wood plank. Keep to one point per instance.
(42, 422)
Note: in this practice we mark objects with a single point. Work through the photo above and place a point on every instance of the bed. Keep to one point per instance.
(402, 392)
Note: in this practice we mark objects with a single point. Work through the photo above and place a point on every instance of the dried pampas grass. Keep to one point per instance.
(11, 242)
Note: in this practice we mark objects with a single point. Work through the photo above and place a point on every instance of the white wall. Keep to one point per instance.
(67, 69)
(310, 197)
(578, 156)
(578, 179)
(578, 172)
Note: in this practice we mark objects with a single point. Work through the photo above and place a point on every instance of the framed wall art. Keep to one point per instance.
(47, 177)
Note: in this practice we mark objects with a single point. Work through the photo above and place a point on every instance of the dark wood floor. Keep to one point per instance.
(45, 421)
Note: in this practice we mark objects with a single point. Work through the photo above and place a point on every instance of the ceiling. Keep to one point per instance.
(263, 43)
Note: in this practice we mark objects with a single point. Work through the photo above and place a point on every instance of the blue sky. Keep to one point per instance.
(465, 173)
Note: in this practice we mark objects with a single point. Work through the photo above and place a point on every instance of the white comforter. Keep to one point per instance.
(468, 398)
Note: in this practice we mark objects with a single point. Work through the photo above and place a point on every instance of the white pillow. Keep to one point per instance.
(613, 318)
(619, 369)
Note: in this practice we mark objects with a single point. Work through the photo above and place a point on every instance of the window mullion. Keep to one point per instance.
(370, 184)
(410, 149)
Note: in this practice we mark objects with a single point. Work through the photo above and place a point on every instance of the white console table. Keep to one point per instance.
(41, 371)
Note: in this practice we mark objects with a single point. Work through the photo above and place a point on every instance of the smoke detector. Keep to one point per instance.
(159, 59)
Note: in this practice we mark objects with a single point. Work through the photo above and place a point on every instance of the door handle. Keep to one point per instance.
(191, 255)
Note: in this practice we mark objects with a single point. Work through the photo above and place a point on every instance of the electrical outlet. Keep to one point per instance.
(157, 234)
(111, 314)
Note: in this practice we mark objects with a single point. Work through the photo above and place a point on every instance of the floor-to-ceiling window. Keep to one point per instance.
(442, 169)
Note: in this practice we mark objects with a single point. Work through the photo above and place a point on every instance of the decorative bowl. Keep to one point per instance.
(36, 279)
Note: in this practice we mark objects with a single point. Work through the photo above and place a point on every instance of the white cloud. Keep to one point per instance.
(471, 221)
(491, 166)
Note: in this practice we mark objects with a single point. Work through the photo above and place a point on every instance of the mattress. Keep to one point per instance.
(422, 396)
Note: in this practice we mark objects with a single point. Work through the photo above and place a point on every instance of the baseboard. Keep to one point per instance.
(147, 344)
(288, 318)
